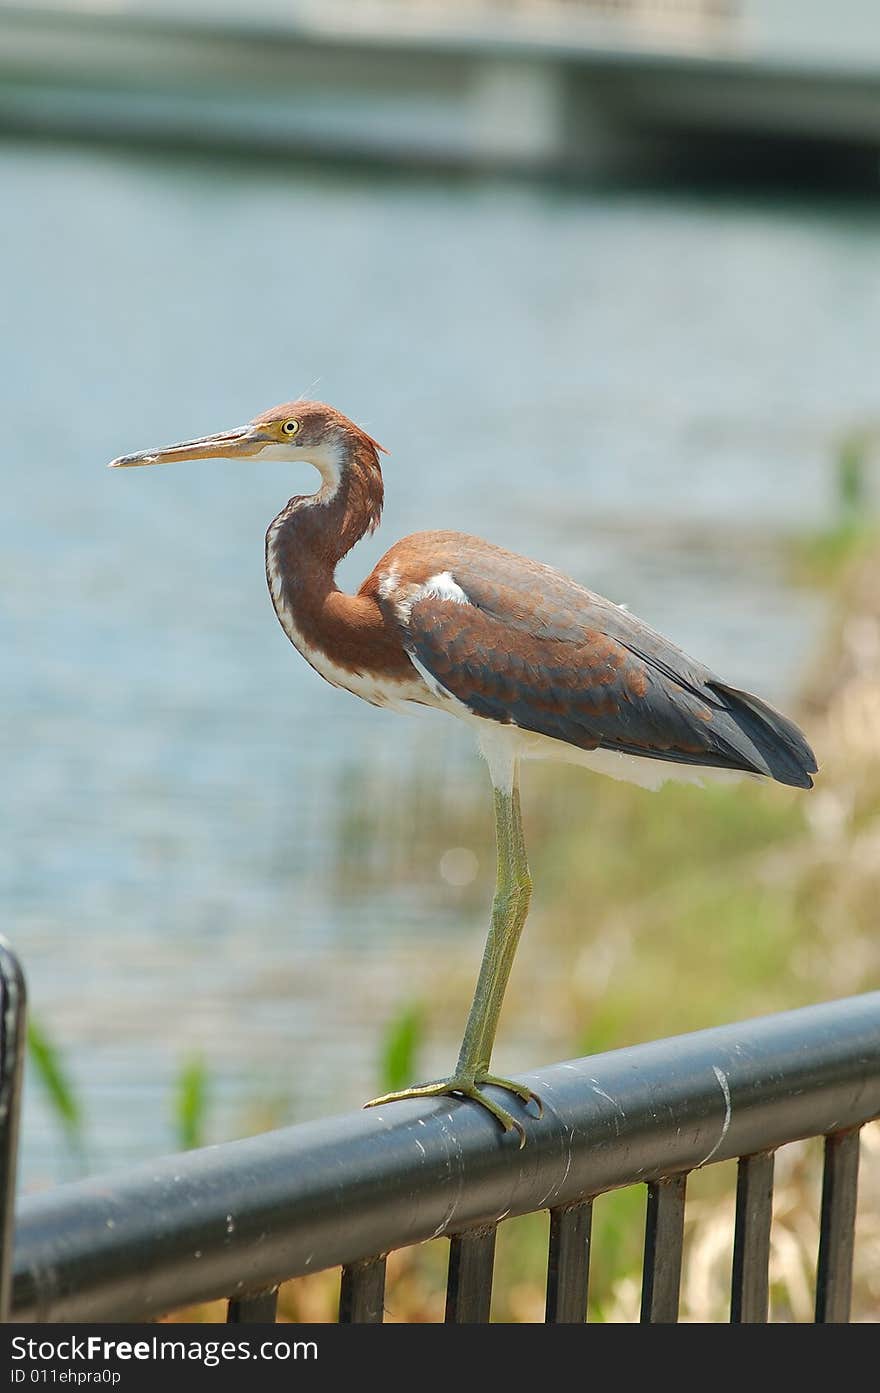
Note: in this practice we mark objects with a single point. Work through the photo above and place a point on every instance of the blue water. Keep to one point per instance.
(643, 389)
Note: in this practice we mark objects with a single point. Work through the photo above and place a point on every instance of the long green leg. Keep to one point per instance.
(510, 906)
(513, 890)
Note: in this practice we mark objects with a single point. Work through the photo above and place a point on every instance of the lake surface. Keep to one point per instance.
(641, 388)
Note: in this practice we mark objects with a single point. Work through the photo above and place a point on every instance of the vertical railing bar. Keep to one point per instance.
(13, 1014)
(469, 1284)
(568, 1264)
(840, 1182)
(750, 1281)
(257, 1308)
(362, 1293)
(664, 1237)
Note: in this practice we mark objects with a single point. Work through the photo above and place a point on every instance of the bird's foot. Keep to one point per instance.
(470, 1086)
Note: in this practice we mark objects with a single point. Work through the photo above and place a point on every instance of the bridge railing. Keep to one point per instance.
(234, 1221)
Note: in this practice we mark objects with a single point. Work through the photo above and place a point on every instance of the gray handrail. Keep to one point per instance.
(248, 1214)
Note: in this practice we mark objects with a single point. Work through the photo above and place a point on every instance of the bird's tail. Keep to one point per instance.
(771, 743)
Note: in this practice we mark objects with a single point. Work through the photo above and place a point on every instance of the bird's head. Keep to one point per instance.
(296, 430)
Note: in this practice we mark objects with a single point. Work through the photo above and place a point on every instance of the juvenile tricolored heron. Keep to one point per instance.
(539, 666)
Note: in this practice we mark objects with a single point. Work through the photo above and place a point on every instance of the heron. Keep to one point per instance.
(536, 664)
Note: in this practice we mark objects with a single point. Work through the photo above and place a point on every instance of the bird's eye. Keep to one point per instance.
(290, 427)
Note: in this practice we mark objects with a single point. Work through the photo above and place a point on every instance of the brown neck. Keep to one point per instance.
(312, 534)
(304, 545)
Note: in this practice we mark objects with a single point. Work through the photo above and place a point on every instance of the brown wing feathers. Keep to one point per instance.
(534, 649)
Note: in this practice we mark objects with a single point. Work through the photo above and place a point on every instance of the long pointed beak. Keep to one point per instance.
(230, 444)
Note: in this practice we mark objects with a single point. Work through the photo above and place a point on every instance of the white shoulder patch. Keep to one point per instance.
(388, 582)
(443, 587)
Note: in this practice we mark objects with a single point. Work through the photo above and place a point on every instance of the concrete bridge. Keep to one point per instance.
(587, 85)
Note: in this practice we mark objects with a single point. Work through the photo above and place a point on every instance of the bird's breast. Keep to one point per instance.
(345, 638)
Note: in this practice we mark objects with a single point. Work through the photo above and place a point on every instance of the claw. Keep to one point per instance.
(470, 1088)
(419, 1090)
(527, 1094)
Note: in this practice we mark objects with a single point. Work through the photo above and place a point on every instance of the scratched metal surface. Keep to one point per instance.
(252, 1213)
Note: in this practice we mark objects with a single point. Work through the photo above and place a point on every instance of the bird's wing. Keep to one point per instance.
(527, 646)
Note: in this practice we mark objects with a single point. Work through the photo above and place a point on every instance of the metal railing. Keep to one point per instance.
(236, 1220)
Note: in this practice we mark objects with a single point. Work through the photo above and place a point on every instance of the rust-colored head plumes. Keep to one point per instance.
(344, 454)
(313, 425)
(346, 457)
(307, 430)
